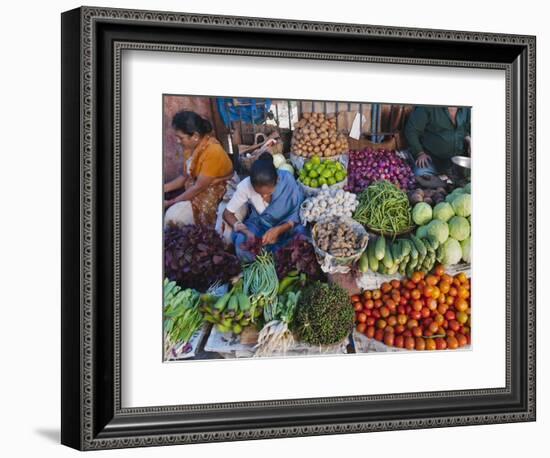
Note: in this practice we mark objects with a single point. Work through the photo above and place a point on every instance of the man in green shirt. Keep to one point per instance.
(435, 135)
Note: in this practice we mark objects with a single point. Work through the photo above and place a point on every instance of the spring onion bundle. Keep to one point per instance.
(275, 335)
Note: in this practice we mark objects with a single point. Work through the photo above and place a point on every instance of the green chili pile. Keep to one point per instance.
(384, 207)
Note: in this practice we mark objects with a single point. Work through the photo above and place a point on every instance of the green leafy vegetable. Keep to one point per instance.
(422, 213)
(298, 254)
(443, 211)
(462, 204)
(438, 229)
(466, 250)
(275, 334)
(182, 317)
(450, 252)
(459, 228)
(422, 232)
(195, 257)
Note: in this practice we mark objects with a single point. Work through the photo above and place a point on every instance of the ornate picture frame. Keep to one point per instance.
(92, 42)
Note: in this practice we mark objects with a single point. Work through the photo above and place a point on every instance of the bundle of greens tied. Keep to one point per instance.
(385, 208)
(276, 335)
(260, 282)
(182, 318)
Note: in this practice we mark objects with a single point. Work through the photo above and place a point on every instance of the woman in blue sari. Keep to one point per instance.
(273, 198)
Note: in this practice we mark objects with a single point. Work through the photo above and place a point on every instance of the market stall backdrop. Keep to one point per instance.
(381, 123)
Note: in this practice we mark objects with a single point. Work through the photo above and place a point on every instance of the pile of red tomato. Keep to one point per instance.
(424, 312)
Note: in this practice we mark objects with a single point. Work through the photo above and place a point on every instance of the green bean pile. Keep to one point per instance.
(260, 282)
(384, 207)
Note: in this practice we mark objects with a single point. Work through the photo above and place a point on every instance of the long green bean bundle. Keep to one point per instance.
(384, 207)
(261, 283)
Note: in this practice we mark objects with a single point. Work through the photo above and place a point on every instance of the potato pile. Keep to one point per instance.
(316, 134)
(337, 238)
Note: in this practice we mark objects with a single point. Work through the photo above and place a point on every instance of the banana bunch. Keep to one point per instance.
(405, 255)
(231, 312)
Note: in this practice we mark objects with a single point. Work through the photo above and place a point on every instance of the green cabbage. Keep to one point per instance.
(443, 211)
(288, 167)
(422, 232)
(459, 228)
(462, 205)
(450, 252)
(466, 250)
(422, 213)
(438, 229)
(468, 188)
(278, 160)
(454, 193)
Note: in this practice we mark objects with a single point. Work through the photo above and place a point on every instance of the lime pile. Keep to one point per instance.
(317, 172)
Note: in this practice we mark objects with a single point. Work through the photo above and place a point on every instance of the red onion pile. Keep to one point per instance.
(369, 165)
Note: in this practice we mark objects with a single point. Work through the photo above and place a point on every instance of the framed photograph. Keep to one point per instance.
(276, 228)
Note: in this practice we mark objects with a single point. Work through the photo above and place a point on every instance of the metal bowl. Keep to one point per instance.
(462, 161)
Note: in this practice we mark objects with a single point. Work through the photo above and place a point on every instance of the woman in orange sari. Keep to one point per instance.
(207, 167)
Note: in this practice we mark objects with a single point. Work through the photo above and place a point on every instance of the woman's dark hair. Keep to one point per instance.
(263, 172)
(190, 122)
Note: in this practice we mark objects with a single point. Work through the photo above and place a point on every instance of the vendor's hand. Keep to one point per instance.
(241, 227)
(271, 236)
(423, 160)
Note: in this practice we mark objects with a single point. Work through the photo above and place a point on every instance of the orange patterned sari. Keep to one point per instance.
(208, 159)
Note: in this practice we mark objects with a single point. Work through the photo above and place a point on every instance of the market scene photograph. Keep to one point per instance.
(314, 227)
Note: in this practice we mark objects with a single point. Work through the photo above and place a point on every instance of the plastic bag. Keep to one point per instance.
(333, 264)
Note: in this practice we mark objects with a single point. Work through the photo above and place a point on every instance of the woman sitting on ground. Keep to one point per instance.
(206, 169)
(273, 198)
